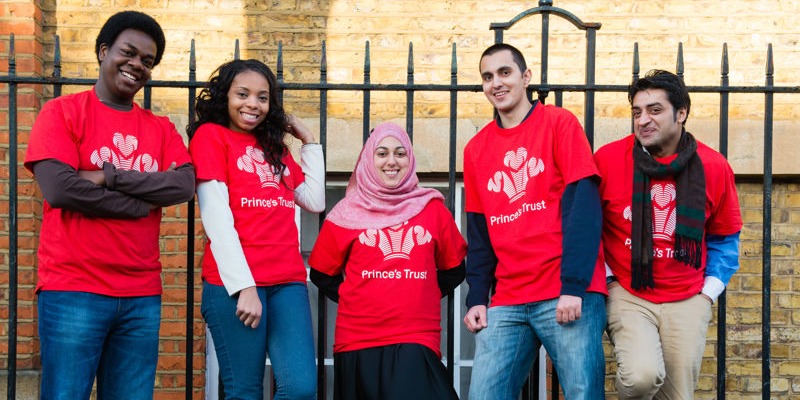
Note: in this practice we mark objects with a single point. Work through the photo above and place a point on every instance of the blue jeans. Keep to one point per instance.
(84, 335)
(284, 332)
(506, 349)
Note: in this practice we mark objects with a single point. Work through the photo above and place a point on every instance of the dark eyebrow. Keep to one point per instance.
(501, 69)
(136, 49)
(650, 105)
(386, 148)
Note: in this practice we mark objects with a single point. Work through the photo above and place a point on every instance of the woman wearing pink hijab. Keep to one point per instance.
(387, 253)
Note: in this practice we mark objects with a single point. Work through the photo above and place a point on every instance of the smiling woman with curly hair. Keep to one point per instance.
(255, 298)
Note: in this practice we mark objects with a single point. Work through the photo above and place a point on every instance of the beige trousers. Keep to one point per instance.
(658, 347)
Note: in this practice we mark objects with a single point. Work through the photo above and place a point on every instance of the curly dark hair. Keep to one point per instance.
(131, 20)
(212, 106)
(677, 94)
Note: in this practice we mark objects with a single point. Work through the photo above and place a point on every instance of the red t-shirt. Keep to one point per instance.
(516, 178)
(390, 293)
(114, 257)
(262, 203)
(674, 280)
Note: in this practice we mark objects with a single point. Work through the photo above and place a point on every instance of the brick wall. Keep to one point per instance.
(745, 297)
(345, 25)
(24, 20)
(171, 376)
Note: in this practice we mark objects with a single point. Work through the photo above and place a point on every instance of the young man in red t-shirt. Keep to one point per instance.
(533, 227)
(105, 167)
(670, 238)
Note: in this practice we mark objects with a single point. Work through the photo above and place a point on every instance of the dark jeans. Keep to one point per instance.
(85, 334)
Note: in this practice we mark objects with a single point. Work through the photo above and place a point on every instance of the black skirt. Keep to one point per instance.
(394, 372)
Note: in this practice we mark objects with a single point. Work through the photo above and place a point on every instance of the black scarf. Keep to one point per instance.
(690, 187)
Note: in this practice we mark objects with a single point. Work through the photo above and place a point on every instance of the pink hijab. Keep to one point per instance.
(368, 203)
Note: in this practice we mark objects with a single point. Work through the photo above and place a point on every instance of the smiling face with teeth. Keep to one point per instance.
(391, 161)
(248, 101)
(125, 67)
(656, 123)
(505, 84)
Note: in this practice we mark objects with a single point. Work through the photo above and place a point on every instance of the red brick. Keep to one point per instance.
(27, 100)
(169, 328)
(173, 228)
(18, 27)
(24, 10)
(24, 124)
(170, 395)
(174, 295)
(26, 45)
(26, 259)
(27, 66)
(171, 362)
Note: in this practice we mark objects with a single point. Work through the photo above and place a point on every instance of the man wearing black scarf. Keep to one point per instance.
(671, 224)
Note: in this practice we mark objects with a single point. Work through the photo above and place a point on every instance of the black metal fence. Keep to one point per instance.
(543, 90)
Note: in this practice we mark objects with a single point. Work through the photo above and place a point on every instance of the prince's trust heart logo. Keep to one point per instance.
(396, 241)
(662, 196)
(663, 199)
(513, 182)
(253, 161)
(520, 169)
(122, 155)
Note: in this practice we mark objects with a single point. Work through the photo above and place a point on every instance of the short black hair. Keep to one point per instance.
(131, 20)
(519, 59)
(677, 94)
